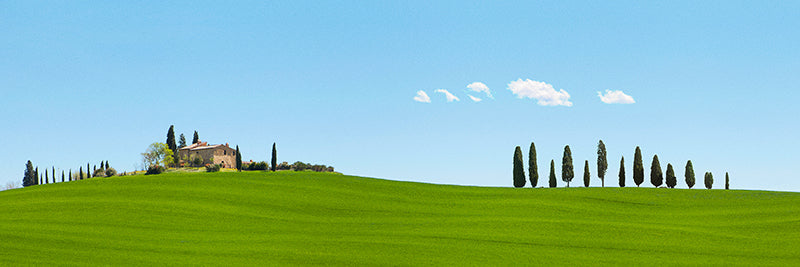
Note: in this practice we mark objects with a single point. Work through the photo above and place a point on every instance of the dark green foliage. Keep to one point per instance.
(46, 179)
(656, 175)
(213, 168)
(519, 171)
(195, 138)
(99, 173)
(274, 158)
(567, 171)
(171, 139)
(111, 172)
(238, 159)
(300, 166)
(70, 175)
(30, 175)
(586, 175)
(727, 181)
(552, 173)
(182, 141)
(622, 172)
(602, 163)
(88, 175)
(671, 181)
(54, 175)
(154, 169)
(689, 174)
(638, 167)
(62, 176)
(80, 173)
(37, 176)
(533, 169)
(257, 166)
(107, 166)
(282, 167)
(709, 180)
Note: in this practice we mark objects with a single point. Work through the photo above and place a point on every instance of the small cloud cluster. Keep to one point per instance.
(475, 87)
(422, 97)
(450, 97)
(541, 91)
(615, 97)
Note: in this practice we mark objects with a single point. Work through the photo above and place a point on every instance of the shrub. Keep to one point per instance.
(99, 173)
(258, 166)
(284, 166)
(154, 169)
(299, 166)
(196, 160)
(518, 171)
(111, 172)
(213, 167)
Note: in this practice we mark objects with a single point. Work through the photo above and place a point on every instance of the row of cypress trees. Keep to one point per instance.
(567, 173)
(33, 177)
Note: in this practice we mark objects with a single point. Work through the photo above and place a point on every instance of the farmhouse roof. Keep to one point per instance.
(202, 146)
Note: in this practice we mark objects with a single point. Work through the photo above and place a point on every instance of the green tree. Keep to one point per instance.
(80, 173)
(519, 171)
(622, 172)
(182, 141)
(171, 139)
(107, 166)
(586, 175)
(238, 159)
(638, 167)
(274, 158)
(196, 138)
(88, 174)
(70, 175)
(157, 154)
(709, 180)
(689, 174)
(656, 175)
(29, 178)
(671, 180)
(567, 172)
(552, 173)
(533, 170)
(727, 181)
(602, 163)
(46, 179)
(62, 176)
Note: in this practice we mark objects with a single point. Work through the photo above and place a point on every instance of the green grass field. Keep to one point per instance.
(257, 218)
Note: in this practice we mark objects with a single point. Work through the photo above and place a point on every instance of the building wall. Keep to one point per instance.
(221, 155)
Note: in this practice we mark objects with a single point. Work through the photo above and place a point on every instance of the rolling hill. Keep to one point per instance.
(289, 218)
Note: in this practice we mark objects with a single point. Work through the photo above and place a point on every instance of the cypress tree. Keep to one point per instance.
(622, 172)
(54, 174)
(274, 158)
(80, 173)
(519, 171)
(552, 173)
(171, 139)
(62, 176)
(37, 177)
(567, 172)
(533, 169)
(586, 175)
(88, 174)
(70, 175)
(602, 163)
(656, 176)
(689, 174)
(638, 167)
(30, 175)
(727, 181)
(41, 181)
(46, 179)
(709, 180)
(671, 180)
(238, 159)
(196, 138)
(107, 166)
(182, 141)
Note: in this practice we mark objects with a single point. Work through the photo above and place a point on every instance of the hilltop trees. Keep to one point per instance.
(182, 141)
(586, 175)
(727, 181)
(533, 170)
(671, 180)
(656, 176)
(622, 172)
(238, 159)
(689, 174)
(274, 158)
(552, 173)
(157, 154)
(171, 139)
(638, 168)
(602, 162)
(30, 175)
(567, 172)
(709, 180)
(519, 172)
(196, 138)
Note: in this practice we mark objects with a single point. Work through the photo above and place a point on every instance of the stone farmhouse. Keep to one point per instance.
(211, 154)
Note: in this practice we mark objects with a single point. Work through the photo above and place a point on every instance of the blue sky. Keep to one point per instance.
(334, 83)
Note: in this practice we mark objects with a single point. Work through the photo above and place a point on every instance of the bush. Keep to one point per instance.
(213, 167)
(257, 166)
(99, 173)
(299, 166)
(111, 172)
(154, 169)
(284, 166)
(196, 160)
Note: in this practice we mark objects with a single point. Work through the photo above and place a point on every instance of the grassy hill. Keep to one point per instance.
(320, 218)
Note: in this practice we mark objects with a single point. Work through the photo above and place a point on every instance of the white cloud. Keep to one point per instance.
(474, 98)
(480, 87)
(422, 97)
(615, 97)
(545, 93)
(450, 97)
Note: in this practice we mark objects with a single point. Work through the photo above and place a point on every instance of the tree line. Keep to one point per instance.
(657, 177)
(33, 177)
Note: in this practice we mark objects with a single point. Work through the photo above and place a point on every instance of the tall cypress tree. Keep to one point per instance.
(519, 171)
(274, 158)
(671, 181)
(656, 176)
(602, 163)
(80, 173)
(689, 174)
(46, 179)
(709, 180)
(37, 177)
(62, 176)
(171, 139)
(88, 174)
(622, 172)
(30, 175)
(533, 169)
(638, 167)
(567, 171)
(70, 175)
(107, 166)
(196, 138)
(727, 181)
(552, 173)
(182, 141)
(586, 175)
(238, 159)
(54, 174)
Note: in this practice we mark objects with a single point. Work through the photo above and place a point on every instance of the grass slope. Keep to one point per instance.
(312, 218)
